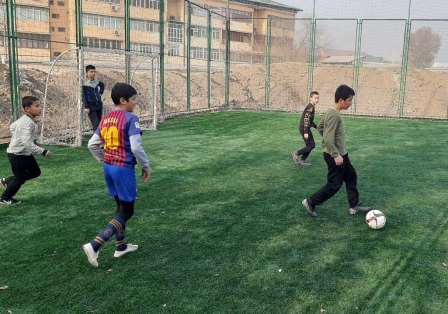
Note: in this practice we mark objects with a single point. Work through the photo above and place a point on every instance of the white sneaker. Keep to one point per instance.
(92, 256)
(129, 248)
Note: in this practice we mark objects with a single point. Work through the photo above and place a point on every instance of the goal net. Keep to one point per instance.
(64, 121)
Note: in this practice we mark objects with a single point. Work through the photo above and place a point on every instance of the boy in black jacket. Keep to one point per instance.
(305, 125)
(92, 91)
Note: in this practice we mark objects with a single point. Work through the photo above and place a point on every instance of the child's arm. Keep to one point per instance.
(140, 155)
(95, 147)
(329, 134)
(26, 137)
(102, 86)
(307, 123)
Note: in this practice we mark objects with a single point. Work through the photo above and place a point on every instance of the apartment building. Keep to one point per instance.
(46, 27)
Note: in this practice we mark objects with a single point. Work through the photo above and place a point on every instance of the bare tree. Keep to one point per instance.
(424, 47)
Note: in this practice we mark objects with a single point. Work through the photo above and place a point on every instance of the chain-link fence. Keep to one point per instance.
(184, 56)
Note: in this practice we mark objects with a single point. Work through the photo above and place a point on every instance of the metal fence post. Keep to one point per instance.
(268, 59)
(311, 56)
(404, 67)
(127, 39)
(209, 58)
(189, 57)
(162, 55)
(227, 66)
(358, 60)
(14, 76)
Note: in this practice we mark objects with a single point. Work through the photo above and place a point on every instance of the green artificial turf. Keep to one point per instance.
(220, 228)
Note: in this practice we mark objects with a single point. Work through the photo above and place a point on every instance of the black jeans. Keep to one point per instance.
(95, 118)
(337, 175)
(309, 146)
(24, 168)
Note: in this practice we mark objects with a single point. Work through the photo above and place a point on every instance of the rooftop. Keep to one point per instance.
(269, 4)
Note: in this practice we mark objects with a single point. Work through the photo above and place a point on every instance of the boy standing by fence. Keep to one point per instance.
(305, 124)
(24, 134)
(92, 91)
(340, 169)
(117, 143)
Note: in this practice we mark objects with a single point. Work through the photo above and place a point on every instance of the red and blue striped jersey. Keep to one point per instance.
(115, 130)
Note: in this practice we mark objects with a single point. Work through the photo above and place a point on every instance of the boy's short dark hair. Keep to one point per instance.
(343, 92)
(27, 101)
(90, 67)
(314, 93)
(122, 90)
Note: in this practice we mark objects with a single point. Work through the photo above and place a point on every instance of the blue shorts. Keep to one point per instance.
(121, 182)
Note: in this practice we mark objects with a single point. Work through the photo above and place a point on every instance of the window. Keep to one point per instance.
(216, 55)
(102, 21)
(240, 37)
(175, 32)
(199, 53)
(149, 4)
(234, 14)
(52, 29)
(145, 26)
(216, 33)
(61, 29)
(197, 11)
(174, 50)
(61, 2)
(102, 43)
(145, 48)
(198, 31)
(56, 53)
(51, 2)
(55, 16)
(28, 40)
(110, 1)
(32, 13)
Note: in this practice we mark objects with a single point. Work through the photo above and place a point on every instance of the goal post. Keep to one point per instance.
(63, 119)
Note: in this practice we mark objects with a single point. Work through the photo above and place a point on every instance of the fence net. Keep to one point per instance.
(270, 59)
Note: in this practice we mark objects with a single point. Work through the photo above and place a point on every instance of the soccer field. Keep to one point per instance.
(220, 228)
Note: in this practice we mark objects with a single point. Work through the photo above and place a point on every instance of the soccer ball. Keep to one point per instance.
(375, 219)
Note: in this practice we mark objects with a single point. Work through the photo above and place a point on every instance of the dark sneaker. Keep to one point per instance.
(3, 184)
(359, 209)
(309, 209)
(15, 201)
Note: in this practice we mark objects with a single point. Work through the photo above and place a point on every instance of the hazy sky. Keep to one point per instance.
(380, 38)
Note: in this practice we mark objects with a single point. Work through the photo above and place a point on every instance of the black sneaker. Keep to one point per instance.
(309, 209)
(15, 201)
(3, 183)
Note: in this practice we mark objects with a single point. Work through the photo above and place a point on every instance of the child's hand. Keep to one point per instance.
(305, 136)
(146, 173)
(48, 154)
(339, 160)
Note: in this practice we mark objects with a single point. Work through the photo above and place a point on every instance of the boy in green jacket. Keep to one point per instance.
(340, 169)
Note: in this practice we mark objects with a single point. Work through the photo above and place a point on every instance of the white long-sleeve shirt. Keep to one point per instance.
(24, 134)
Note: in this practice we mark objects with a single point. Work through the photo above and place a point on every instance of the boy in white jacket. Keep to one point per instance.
(24, 134)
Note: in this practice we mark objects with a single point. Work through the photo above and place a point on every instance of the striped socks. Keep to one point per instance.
(115, 226)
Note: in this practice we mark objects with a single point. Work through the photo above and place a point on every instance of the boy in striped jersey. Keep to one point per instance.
(117, 143)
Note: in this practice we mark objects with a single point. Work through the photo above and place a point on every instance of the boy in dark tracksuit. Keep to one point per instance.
(92, 91)
(305, 125)
(340, 169)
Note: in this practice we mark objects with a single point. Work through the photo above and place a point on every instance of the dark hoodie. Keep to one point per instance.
(92, 92)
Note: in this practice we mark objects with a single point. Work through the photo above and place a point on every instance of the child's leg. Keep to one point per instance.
(335, 178)
(351, 178)
(125, 210)
(24, 168)
(309, 146)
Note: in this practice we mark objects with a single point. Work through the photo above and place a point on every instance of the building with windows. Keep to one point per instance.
(47, 28)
